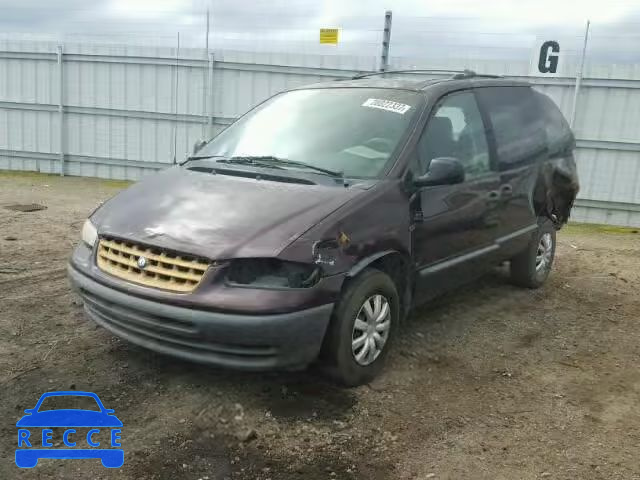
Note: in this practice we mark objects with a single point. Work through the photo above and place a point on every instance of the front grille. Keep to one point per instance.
(164, 270)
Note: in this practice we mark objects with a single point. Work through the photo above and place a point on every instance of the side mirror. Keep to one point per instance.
(198, 145)
(29, 410)
(442, 171)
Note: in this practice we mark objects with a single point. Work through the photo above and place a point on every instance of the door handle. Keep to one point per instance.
(506, 190)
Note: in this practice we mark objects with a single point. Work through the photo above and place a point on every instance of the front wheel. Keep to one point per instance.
(361, 329)
(532, 266)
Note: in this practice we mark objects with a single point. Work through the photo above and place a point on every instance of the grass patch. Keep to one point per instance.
(597, 228)
(115, 183)
(120, 184)
(23, 174)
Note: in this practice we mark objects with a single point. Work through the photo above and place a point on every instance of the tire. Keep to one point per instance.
(338, 354)
(531, 267)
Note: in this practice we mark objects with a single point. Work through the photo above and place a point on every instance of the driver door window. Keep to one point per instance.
(456, 130)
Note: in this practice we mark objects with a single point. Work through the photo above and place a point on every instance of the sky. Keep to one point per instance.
(488, 28)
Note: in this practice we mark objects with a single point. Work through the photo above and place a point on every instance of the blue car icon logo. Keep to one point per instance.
(69, 424)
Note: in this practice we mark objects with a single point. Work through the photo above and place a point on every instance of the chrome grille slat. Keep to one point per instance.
(178, 273)
(109, 255)
(133, 249)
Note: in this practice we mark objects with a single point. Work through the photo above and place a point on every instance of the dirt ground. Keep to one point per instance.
(490, 382)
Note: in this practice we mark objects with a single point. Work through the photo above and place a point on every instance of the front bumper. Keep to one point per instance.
(249, 342)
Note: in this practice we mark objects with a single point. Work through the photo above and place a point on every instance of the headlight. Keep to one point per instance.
(272, 273)
(89, 233)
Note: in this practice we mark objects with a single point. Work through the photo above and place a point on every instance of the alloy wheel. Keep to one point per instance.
(544, 252)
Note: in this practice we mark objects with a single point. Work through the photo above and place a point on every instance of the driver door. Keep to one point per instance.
(455, 226)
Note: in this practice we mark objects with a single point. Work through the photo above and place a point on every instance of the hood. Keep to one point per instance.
(69, 418)
(217, 216)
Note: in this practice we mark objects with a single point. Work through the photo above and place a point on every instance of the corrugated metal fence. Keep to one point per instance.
(119, 112)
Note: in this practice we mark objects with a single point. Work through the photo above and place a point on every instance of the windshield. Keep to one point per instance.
(353, 131)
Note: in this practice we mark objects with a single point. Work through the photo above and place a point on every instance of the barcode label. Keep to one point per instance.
(387, 105)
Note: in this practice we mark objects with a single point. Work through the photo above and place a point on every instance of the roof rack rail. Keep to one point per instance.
(472, 74)
(457, 74)
(371, 74)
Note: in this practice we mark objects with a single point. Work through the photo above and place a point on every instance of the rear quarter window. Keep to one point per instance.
(517, 124)
(559, 136)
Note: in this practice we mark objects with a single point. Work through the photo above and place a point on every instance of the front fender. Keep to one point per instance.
(365, 262)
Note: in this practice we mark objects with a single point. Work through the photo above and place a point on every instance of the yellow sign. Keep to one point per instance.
(329, 36)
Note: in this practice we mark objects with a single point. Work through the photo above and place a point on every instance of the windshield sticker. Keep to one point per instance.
(387, 105)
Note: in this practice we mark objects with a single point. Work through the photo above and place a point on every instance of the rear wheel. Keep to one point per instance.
(361, 329)
(531, 267)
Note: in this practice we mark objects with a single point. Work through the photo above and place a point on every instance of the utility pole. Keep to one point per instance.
(61, 132)
(206, 42)
(175, 127)
(572, 119)
(386, 41)
(205, 89)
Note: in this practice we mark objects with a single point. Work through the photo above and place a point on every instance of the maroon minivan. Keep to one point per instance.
(310, 227)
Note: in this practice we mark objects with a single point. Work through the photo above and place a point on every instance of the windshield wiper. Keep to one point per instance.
(269, 161)
(201, 157)
(248, 161)
(277, 161)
